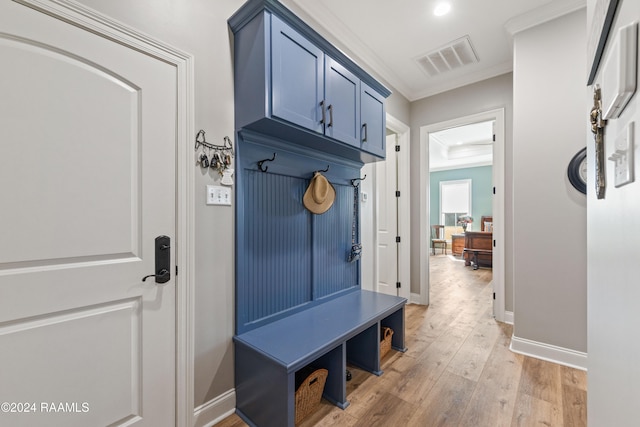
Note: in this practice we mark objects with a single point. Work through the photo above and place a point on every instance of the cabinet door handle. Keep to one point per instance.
(322, 121)
(330, 108)
(364, 127)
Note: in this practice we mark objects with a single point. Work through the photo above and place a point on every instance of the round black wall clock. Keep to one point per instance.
(577, 171)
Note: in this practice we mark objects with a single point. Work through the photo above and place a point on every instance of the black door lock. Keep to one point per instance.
(163, 258)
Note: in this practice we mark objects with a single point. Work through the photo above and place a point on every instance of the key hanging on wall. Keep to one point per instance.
(216, 157)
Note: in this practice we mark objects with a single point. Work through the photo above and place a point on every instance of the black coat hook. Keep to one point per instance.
(354, 180)
(324, 170)
(265, 160)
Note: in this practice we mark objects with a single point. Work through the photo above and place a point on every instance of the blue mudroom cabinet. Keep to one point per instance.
(301, 107)
(291, 83)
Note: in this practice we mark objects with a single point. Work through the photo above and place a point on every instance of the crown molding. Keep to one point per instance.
(548, 12)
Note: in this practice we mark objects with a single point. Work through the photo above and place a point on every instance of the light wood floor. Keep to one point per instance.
(458, 370)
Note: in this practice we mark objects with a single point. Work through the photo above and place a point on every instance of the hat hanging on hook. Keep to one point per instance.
(320, 195)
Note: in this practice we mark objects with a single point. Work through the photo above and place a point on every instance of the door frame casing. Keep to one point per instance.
(498, 171)
(404, 215)
(102, 25)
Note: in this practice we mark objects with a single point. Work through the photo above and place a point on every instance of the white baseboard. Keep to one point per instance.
(214, 411)
(550, 353)
(508, 317)
(415, 299)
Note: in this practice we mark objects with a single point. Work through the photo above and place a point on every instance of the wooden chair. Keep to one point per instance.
(437, 238)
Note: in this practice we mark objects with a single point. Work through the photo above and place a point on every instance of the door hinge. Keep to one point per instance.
(494, 243)
(494, 137)
(176, 270)
(397, 148)
(397, 239)
(397, 193)
(494, 190)
(398, 285)
(494, 295)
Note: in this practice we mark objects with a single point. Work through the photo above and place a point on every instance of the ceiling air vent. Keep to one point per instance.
(449, 57)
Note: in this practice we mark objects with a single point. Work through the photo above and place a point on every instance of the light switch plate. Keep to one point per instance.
(619, 72)
(623, 157)
(218, 195)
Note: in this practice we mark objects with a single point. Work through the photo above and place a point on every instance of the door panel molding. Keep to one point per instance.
(99, 24)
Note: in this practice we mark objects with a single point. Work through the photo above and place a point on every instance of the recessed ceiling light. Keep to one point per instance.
(442, 9)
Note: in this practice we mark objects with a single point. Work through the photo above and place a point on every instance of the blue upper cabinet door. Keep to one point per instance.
(297, 77)
(342, 103)
(373, 121)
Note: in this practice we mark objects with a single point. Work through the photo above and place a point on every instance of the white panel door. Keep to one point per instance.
(387, 183)
(87, 181)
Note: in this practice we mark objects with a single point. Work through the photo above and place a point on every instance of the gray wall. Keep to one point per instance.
(549, 215)
(476, 98)
(613, 225)
(200, 27)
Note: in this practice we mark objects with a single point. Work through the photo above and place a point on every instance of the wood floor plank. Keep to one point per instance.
(574, 377)
(412, 379)
(389, 411)
(533, 412)
(365, 396)
(328, 415)
(542, 380)
(472, 356)
(446, 402)
(574, 406)
(494, 398)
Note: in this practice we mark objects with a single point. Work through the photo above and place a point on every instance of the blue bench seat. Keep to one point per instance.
(342, 330)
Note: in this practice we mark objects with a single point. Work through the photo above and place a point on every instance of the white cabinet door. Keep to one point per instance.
(87, 181)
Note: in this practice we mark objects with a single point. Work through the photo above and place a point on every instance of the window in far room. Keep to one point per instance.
(455, 201)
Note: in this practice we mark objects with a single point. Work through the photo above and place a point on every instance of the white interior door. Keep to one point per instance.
(87, 181)
(387, 182)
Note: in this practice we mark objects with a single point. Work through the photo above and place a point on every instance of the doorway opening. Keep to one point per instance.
(385, 215)
(465, 150)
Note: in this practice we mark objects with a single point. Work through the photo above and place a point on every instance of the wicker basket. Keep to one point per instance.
(309, 394)
(385, 344)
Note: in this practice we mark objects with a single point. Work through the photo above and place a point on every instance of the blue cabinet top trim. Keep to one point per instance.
(253, 7)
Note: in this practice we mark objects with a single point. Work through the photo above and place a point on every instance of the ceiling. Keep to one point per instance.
(461, 147)
(389, 36)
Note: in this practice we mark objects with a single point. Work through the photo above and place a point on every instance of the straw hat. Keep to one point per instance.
(319, 195)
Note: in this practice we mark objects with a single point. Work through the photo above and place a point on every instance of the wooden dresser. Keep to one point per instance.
(481, 240)
(457, 244)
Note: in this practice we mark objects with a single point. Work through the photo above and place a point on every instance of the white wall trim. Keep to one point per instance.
(508, 317)
(498, 203)
(548, 12)
(215, 410)
(550, 353)
(104, 26)
(415, 299)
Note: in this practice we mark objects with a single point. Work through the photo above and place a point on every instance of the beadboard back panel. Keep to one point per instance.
(288, 259)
